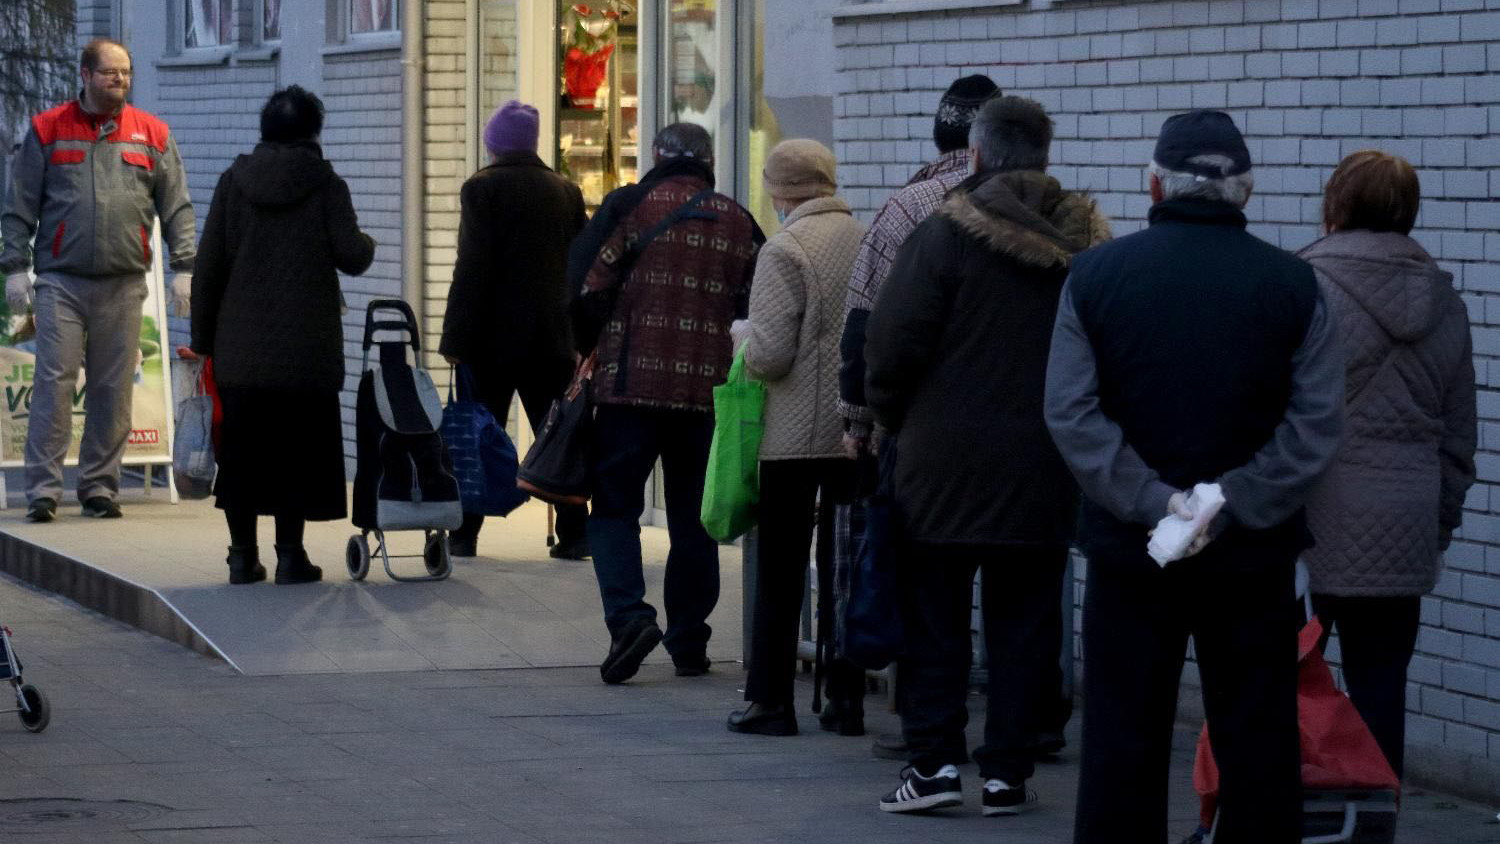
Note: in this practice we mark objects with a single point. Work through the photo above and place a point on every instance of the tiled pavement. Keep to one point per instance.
(513, 607)
(150, 742)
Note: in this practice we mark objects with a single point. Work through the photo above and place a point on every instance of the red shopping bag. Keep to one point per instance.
(1338, 751)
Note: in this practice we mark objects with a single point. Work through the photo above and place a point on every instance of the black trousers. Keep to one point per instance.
(1238, 604)
(1021, 604)
(789, 508)
(1376, 640)
(495, 390)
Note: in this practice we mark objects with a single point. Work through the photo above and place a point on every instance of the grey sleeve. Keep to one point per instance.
(175, 208)
(1110, 472)
(1266, 491)
(23, 205)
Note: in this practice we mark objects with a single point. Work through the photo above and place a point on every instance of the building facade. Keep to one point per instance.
(1308, 81)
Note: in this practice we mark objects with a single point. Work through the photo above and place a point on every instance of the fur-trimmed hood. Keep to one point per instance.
(1026, 215)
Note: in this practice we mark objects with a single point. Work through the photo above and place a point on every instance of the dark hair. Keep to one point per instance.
(1011, 133)
(291, 114)
(1372, 190)
(90, 59)
(687, 140)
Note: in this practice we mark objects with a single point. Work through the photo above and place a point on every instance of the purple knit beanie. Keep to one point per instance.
(512, 129)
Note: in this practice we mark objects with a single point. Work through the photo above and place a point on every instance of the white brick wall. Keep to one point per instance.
(1309, 82)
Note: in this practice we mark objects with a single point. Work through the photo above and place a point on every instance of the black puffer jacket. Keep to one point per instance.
(266, 290)
(956, 361)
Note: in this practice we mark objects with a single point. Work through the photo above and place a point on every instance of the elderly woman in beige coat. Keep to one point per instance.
(792, 344)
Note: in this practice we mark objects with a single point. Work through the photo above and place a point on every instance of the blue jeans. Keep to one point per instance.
(628, 440)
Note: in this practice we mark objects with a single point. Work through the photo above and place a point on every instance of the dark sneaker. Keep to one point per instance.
(637, 640)
(100, 507)
(462, 547)
(890, 746)
(762, 720)
(692, 665)
(41, 510)
(844, 718)
(1045, 746)
(573, 549)
(920, 794)
(999, 798)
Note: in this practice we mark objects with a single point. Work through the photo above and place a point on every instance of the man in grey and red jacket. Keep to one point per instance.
(90, 176)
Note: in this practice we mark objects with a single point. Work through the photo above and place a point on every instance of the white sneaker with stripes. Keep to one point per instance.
(920, 794)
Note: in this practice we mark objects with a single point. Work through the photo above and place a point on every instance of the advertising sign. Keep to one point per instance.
(150, 419)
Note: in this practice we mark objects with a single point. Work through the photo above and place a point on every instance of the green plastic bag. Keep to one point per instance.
(732, 488)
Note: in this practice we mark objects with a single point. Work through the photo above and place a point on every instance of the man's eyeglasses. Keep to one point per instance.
(112, 74)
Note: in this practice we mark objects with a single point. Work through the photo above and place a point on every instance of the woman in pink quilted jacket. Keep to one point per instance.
(1386, 510)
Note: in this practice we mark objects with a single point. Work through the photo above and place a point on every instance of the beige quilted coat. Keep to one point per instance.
(796, 316)
(1394, 494)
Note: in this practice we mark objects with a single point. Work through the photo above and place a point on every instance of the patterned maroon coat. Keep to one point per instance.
(666, 344)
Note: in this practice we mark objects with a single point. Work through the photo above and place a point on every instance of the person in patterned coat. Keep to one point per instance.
(659, 324)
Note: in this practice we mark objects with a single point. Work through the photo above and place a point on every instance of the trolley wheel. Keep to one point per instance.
(435, 555)
(357, 556)
(41, 711)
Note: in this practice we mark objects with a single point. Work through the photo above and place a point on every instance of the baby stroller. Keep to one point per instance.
(403, 477)
(1350, 794)
(31, 704)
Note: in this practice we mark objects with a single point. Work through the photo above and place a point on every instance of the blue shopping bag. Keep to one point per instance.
(484, 458)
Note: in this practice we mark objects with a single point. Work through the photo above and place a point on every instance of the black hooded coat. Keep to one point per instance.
(266, 303)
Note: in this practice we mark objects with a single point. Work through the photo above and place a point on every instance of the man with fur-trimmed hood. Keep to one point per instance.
(956, 356)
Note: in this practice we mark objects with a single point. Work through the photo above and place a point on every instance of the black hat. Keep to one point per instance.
(1201, 132)
(956, 110)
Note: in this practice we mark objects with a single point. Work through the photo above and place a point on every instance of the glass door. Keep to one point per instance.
(698, 76)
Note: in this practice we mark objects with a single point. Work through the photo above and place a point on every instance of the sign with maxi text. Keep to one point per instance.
(150, 439)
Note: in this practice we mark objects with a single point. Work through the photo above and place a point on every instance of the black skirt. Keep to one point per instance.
(281, 452)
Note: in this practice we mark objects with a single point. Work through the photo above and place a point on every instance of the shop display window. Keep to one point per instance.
(598, 104)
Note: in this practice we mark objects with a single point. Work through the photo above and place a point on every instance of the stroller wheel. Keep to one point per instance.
(357, 556)
(41, 711)
(435, 555)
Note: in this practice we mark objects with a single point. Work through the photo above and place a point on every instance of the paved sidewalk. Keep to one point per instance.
(150, 742)
(512, 607)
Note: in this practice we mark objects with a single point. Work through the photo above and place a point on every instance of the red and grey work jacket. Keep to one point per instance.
(85, 189)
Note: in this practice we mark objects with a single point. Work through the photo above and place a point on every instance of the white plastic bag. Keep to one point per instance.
(193, 463)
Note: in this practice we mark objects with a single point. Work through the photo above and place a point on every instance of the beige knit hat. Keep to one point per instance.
(800, 168)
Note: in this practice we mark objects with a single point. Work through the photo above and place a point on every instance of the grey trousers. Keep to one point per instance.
(94, 324)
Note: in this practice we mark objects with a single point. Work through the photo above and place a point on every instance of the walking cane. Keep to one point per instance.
(551, 520)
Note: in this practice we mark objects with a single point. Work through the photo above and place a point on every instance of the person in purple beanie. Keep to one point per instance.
(507, 319)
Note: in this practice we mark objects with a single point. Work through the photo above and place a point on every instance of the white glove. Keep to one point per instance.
(739, 332)
(182, 294)
(18, 292)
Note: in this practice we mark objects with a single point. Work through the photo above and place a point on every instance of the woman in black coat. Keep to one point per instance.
(266, 309)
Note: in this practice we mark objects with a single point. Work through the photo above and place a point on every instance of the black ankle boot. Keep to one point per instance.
(244, 564)
(292, 566)
(845, 717)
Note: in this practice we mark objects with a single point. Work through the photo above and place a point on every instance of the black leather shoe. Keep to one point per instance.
(637, 640)
(763, 720)
(572, 549)
(692, 665)
(462, 547)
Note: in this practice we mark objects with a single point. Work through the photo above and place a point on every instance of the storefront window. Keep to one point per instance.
(208, 23)
(765, 130)
(499, 62)
(598, 119)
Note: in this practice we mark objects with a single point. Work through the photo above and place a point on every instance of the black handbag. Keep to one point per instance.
(558, 467)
